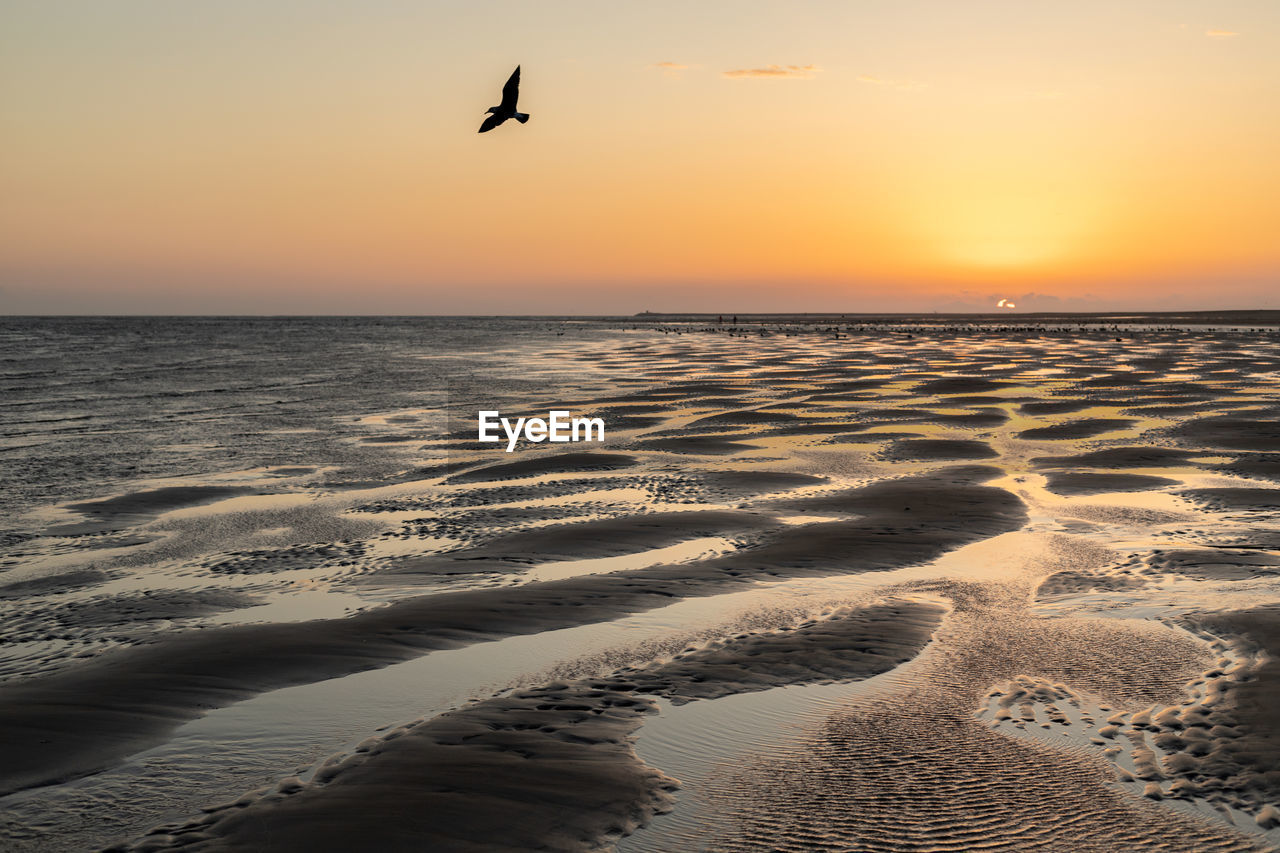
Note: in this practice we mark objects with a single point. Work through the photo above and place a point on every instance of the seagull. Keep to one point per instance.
(506, 109)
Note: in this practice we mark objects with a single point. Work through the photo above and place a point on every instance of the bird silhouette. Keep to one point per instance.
(506, 109)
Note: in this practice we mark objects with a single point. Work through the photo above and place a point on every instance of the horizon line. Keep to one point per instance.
(648, 315)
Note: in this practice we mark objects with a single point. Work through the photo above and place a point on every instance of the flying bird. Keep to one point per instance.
(506, 109)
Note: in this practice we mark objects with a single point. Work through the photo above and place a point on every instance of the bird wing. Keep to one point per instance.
(490, 122)
(511, 91)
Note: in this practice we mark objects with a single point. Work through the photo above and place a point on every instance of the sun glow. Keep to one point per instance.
(983, 229)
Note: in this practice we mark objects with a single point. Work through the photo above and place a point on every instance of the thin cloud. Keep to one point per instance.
(793, 72)
(671, 69)
(1220, 34)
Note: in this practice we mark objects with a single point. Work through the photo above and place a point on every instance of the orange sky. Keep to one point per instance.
(322, 158)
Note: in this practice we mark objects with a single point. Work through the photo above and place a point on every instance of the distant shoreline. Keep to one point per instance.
(1177, 318)
(1252, 317)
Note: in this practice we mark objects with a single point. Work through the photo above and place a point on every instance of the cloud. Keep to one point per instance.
(670, 67)
(794, 72)
(1220, 34)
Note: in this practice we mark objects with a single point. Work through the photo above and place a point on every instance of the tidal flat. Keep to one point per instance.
(882, 585)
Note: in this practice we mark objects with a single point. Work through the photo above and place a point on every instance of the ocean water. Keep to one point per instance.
(91, 405)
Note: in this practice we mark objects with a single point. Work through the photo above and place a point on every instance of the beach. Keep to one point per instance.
(827, 583)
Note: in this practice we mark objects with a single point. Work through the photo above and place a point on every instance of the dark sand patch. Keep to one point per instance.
(750, 417)
(854, 643)
(946, 477)
(938, 449)
(709, 445)
(1268, 540)
(976, 419)
(609, 537)
(1088, 483)
(1073, 582)
(1119, 457)
(1169, 410)
(48, 732)
(1238, 561)
(862, 437)
(739, 484)
(633, 409)
(891, 415)
(1263, 466)
(462, 430)
(64, 582)
(715, 402)
(898, 522)
(701, 389)
(1255, 430)
(1232, 747)
(1084, 428)
(838, 386)
(9, 538)
(1118, 379)
(138, 507)
(1235, 499)
(484, 523)
(639, 398)
(291, 558)
(598, 537)
(620, 423)
(156, 501)
(336, 482)
(1168, 398)
(487, 495)
(980, 400)
(818, 427)
(550, 767)
(1213, 563)
(960, 385)
(1183, 392)
(126, 609)
(393, 439)
(540, 465)
(1055, 407)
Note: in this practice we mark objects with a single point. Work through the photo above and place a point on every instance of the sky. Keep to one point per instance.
(321, 157)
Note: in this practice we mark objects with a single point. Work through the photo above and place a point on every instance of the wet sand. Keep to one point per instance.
(547, 766)
(1051, 583)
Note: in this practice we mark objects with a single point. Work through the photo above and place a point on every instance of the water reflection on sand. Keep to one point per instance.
(1054, 493)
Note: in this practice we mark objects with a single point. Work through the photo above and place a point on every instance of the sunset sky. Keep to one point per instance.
(310, 157)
